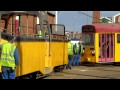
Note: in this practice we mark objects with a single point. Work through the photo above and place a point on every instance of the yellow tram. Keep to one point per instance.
(101, 43)
(38, 55)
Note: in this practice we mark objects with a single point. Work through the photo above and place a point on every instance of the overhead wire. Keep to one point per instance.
(80, 12)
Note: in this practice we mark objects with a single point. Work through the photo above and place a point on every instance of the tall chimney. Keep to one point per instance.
(96, 16)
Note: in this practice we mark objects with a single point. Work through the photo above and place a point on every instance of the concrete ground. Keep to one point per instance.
(88, 72)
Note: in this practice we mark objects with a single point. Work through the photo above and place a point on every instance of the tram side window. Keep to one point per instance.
(118, 38)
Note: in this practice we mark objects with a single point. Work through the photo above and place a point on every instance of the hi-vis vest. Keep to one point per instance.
(79, 49)
(7, 55)
(70, 48)
(40, 33)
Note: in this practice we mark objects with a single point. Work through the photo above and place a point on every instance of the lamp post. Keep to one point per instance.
(73, 25)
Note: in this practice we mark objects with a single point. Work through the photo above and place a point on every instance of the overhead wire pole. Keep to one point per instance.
(73, 26)
(87, 16)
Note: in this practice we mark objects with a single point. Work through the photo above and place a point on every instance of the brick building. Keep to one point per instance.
(77, 35)
(106, 20)
(28, 23)
(116, 18)
(51, 17)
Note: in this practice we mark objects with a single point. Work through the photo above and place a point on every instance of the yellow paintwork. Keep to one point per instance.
(59, 53)
(36, 56)
(66, 53)
(92, 59)
(87, 56)
(56, 54)
(32, 57)
(97, 47)
(87, 52)
(117, 49)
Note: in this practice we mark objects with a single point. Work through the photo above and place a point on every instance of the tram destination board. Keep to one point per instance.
(88, 28)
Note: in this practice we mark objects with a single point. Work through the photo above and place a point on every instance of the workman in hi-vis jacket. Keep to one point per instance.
(78, 47)
(40, 32)
(70, 54)
(9, 59)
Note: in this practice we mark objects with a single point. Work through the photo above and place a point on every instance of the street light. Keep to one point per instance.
(73, 25)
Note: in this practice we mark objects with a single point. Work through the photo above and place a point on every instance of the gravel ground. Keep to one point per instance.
(88, 72)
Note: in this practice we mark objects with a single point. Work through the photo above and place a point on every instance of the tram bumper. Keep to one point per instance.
(87, 59)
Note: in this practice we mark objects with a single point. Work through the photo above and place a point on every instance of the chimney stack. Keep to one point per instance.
(96, 16)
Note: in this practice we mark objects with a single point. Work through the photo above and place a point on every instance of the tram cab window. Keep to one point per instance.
(58, 29)
(118, 38)
(88, 39)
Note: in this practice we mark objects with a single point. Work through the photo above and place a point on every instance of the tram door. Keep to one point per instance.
(48, 49)
(106, 47)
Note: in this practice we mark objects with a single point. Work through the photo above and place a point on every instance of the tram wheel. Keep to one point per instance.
(59, 68)
(62, 68)
(116, 63)
(0, 76)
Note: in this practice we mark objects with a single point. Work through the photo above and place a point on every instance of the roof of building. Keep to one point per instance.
(21, 12)
(115, 16)
(26, 12)
(108, 18)
(51, 12)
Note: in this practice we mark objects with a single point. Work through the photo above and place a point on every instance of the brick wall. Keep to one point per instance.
(2, 23)
(32, 21)
(51, 18)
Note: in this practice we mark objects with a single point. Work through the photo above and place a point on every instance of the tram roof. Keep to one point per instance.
(36, 13)
(106, 27)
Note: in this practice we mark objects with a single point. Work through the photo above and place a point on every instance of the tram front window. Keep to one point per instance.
(88, 39)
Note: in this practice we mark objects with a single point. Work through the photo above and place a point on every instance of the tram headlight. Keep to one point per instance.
(83, 51)
(93, 52)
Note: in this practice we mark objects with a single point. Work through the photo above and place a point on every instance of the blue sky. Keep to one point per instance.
(73, 20)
